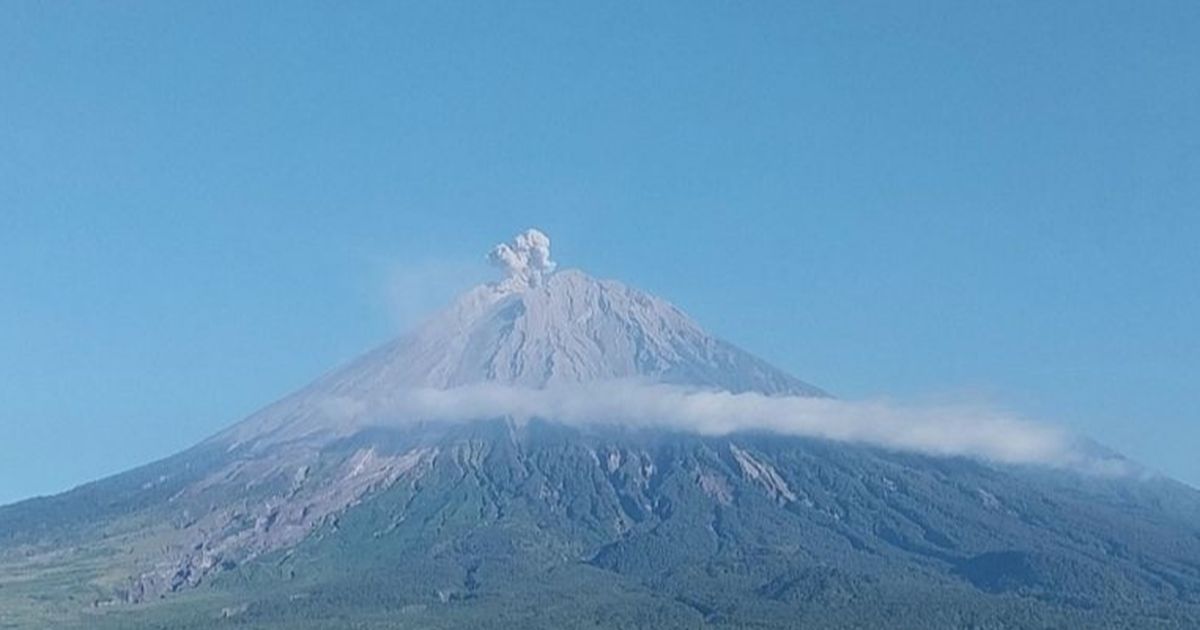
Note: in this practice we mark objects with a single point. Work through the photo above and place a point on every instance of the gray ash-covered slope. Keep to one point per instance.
(568, 328)
(559, 329)
(312, 514)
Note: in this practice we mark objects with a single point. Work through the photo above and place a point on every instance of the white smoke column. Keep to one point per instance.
(526, 259)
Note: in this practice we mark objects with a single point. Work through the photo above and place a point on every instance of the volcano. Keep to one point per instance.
(347, 504)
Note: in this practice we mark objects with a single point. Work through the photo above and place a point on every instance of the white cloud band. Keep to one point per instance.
(949, 430)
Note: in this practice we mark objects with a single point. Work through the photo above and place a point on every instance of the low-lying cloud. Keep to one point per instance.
(946, 430)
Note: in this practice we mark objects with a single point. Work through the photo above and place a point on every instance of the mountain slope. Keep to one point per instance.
(569, 328)
(315, 513)
(493, 524)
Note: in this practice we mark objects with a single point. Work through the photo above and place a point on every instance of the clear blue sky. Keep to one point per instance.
(203, 205)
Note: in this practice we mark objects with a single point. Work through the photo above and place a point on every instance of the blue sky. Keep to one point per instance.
(205, 205)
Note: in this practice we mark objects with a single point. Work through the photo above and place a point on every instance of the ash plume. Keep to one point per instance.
(525, 259)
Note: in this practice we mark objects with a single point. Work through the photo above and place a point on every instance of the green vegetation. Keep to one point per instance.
(547, 528)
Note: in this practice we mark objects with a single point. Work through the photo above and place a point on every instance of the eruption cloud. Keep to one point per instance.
(526, 258)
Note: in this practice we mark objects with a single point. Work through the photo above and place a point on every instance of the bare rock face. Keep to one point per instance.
(763, 474)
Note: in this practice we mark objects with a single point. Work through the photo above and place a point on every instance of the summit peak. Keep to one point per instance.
(535, 329)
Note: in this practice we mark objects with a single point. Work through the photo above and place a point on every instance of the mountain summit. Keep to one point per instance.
(535, 328)
(320, 512)
(567, 328)
(540, 328)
